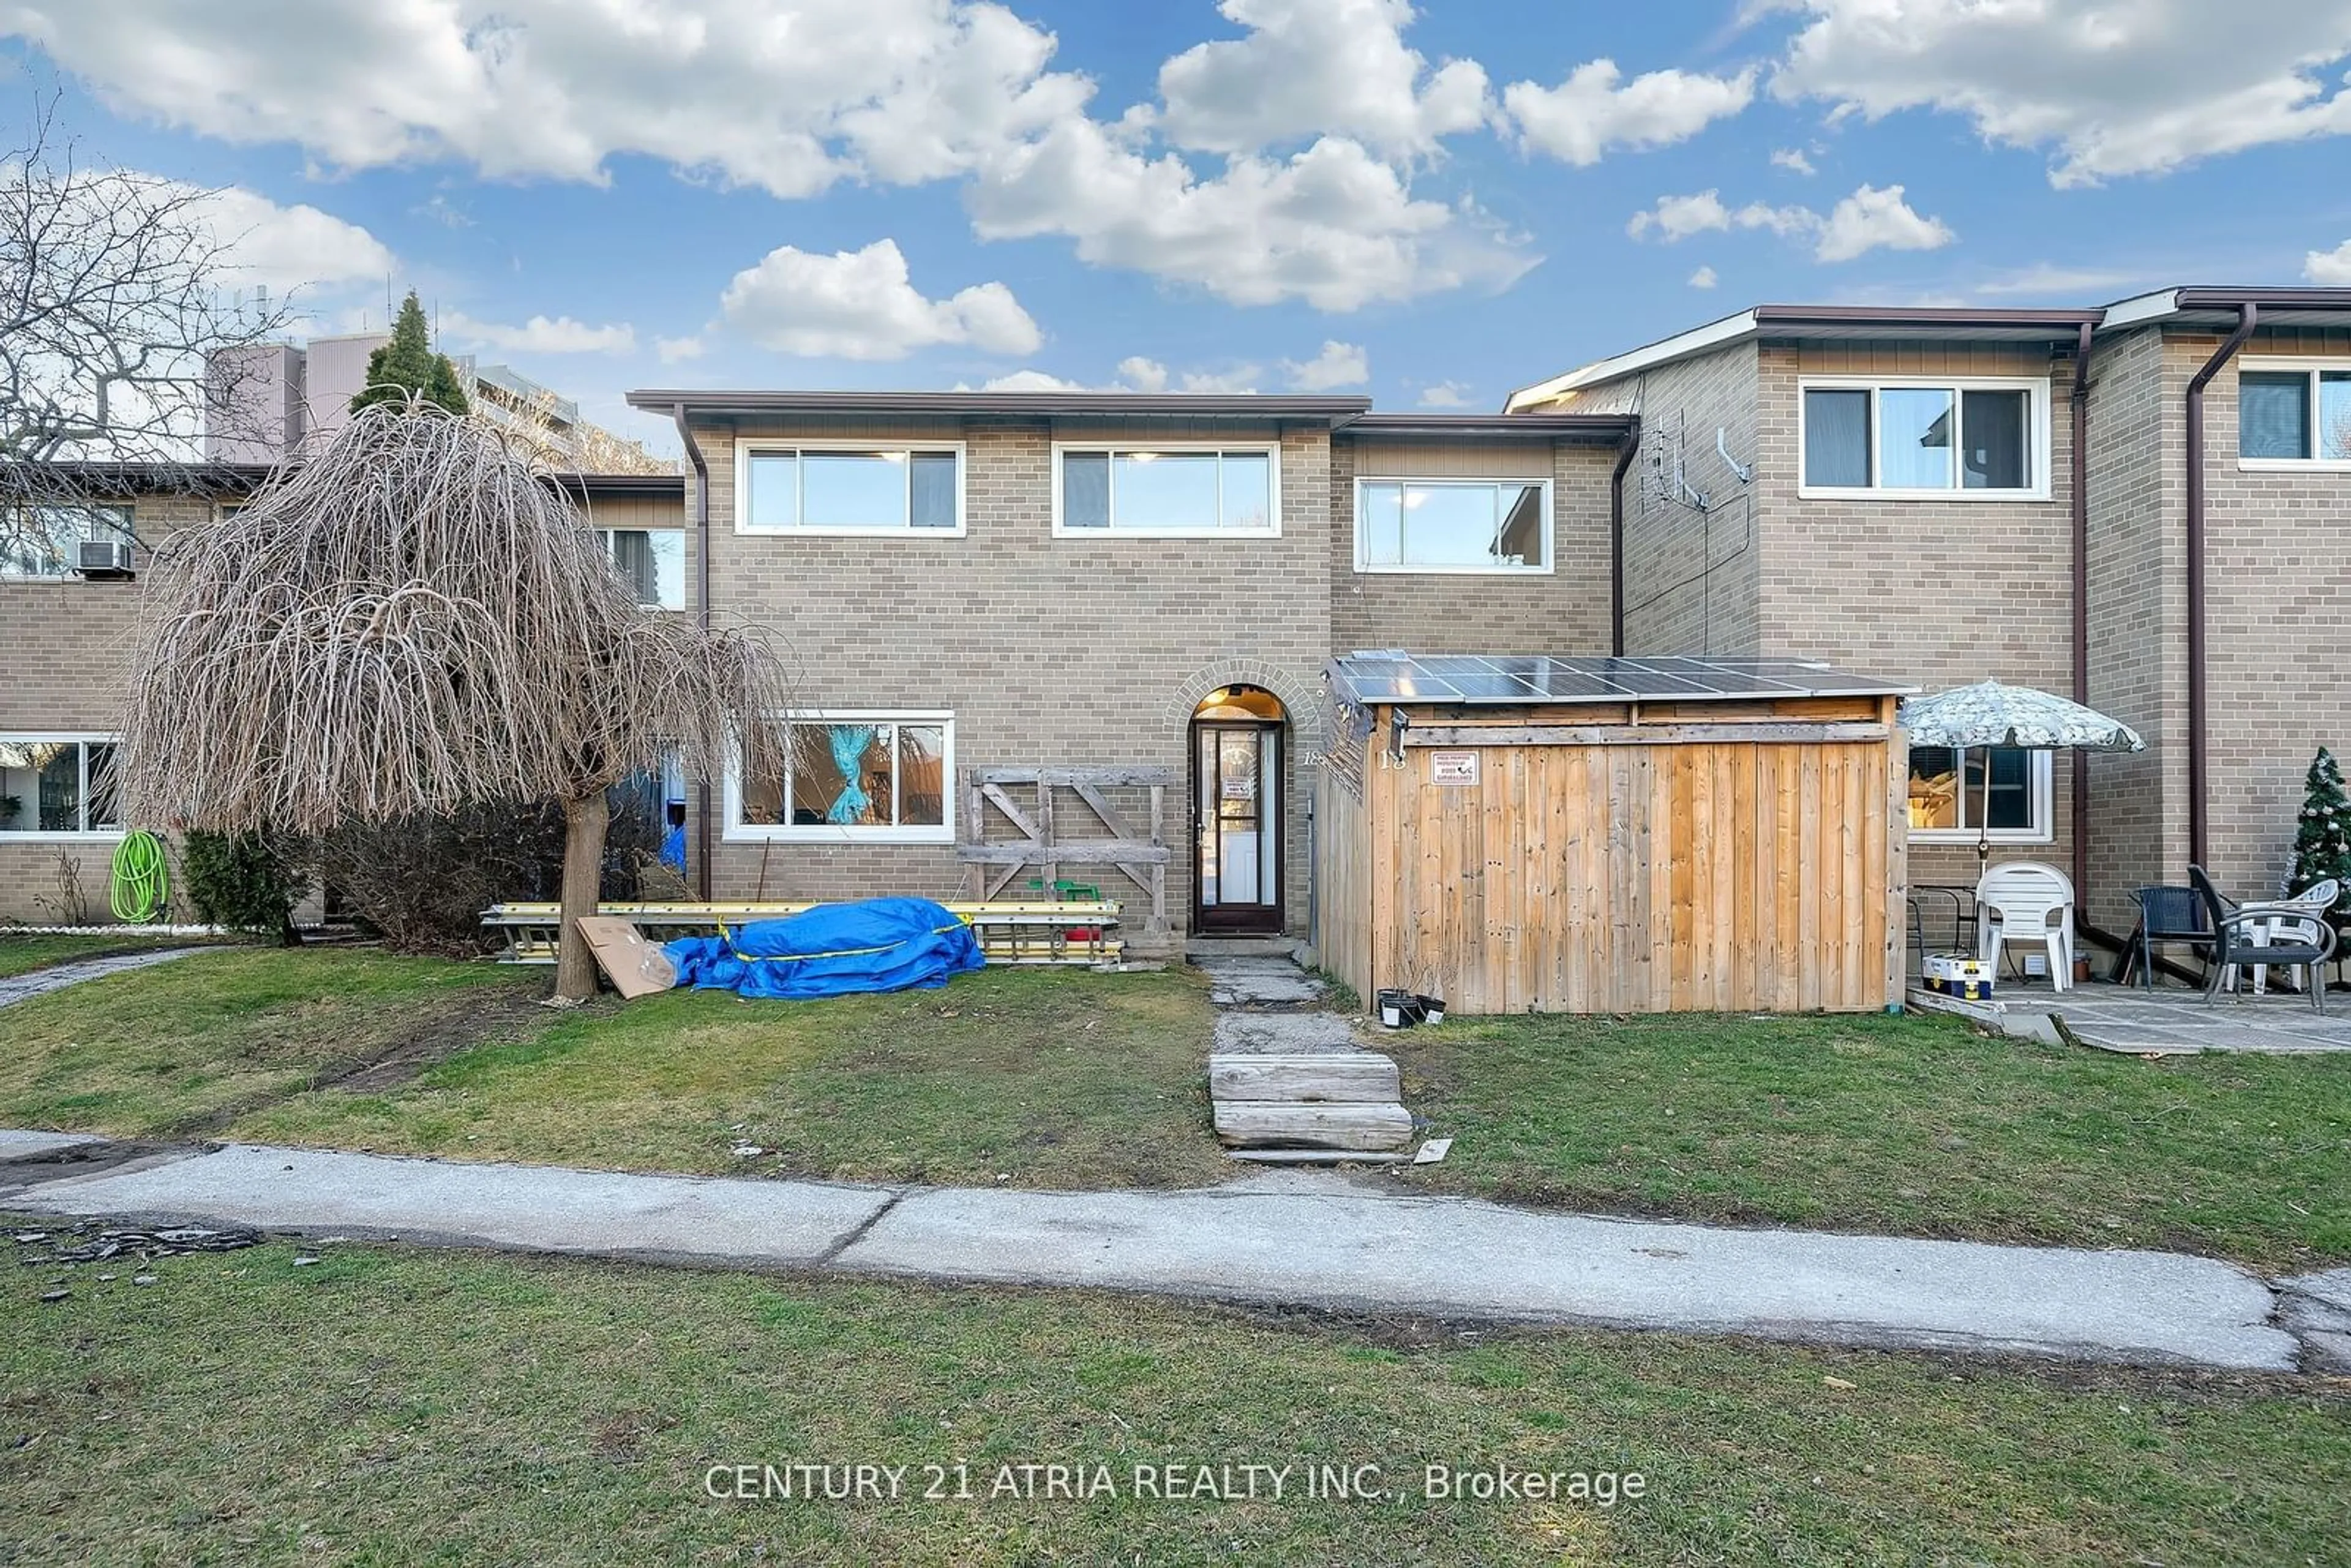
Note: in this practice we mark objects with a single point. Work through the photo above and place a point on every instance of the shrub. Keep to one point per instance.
(422, 882)
(245, 881)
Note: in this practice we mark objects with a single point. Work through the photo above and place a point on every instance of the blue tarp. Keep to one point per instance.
(880, 945)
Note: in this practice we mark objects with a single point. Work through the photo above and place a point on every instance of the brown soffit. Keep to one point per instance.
(1599, 429)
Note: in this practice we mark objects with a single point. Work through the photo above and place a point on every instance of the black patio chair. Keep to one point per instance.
(2166, 915)
(2289, 941)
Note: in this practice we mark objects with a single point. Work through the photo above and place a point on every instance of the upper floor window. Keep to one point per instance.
(1978, 440)
(1453, 525)
(1951, 801)
(653, 560)
(2295, 414)
(57, 784)
(1172, 492)
(846, 777)
(46, 541)
(803, 489)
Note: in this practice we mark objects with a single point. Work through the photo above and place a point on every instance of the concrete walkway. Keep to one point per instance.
(1286, 1238)
(16, 989)
(2171, 1021)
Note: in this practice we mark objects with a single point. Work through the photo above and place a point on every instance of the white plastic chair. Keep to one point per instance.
(2024, 901)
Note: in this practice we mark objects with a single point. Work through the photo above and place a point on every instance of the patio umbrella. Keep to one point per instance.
(1990, 713)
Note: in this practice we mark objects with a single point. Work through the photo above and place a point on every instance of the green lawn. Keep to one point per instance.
(1915, 1126)
(1037, 1077)
(388, 1407)
(24, 951)
(180, 1047)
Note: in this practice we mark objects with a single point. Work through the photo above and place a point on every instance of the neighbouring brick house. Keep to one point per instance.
(1895, 490)
(66, 635)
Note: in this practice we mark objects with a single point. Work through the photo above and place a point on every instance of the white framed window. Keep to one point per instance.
(1949, 804)
(1936, 438)
(1173, 490)
(1475, 527)
(653, 560)
(822, 488)
(2294, 413)
(55, 786)
(850, 778)
(44, 542)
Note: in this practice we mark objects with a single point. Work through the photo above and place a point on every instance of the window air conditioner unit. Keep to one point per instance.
(103, 558)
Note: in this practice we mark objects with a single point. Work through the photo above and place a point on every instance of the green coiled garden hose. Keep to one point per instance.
(141, 882)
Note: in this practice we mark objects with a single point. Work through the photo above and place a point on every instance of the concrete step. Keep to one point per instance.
(1199, 947)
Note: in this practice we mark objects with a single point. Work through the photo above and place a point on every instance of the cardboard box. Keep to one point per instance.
(1957, 975)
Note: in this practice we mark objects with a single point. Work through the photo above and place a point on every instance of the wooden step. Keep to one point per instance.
(1289, 1124)
(1333, 1077)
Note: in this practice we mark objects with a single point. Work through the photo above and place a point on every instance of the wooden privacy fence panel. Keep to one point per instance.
(1721, 875)
(1342, 880)
(1040, 804)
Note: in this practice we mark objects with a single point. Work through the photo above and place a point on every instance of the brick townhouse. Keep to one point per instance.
(1028, 580)
(1952, 495)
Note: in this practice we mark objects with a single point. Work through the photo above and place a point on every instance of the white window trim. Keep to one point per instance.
(746, 446)
(736, 830)
(2037, 434)
(1271, 449)
(78, 836)
(1550, 527)
(127, 531)
(2310, 365)
(2043, 809)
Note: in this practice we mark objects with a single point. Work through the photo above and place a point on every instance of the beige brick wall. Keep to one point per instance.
(63, 648)
(1933, 593)
(1566, 612)
(1692, 575)
(1047, 651)
(2278, 622)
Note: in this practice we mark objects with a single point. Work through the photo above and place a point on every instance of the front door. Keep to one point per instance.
(1237, 827)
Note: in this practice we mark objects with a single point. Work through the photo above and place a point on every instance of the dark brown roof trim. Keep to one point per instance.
(1601, 429)
(241, 478)
(2063, 322)
(1015, 404)
(2266, 299)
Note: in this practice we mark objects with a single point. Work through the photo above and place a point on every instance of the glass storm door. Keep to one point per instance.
(1237, 827)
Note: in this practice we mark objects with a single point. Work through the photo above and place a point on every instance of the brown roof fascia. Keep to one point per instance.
(1012, 404)
(1601, 429)
(2063, 322)
(2266, 299)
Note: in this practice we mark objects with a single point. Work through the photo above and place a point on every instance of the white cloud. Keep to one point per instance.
(2136, 86)
(1315, 67)
(1231, 382)
(1331, 225)
(672, 349)
(1793, 159)
(1031, 380)
(1337, 365)
(1143, 375)
(861, 305)
(1870, 219)
(1678, 217)
(794, 96)
(2329, 268)
(288, 248)
(1873, 219)
(1446, 395)
(1703, 278)
(541, 336)
(788, 97)
(1580, 119)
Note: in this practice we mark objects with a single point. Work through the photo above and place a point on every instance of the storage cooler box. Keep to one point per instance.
(1957, 975)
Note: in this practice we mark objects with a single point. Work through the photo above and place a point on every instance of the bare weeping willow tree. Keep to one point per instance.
(410, 622)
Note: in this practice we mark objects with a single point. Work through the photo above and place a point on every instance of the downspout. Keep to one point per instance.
(2248, 316)
(2084, 349)
(701, 614)
(1625, 455)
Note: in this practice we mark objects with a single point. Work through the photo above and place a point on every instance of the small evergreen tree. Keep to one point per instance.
(2322, 842)
(408, 365)
(246, 882)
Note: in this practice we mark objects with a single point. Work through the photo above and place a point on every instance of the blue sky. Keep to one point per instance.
(1275, 195)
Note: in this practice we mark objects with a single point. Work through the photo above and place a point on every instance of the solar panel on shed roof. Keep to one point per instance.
(1480, 680)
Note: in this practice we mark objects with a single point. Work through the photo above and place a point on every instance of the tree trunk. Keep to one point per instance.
(583, 874)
